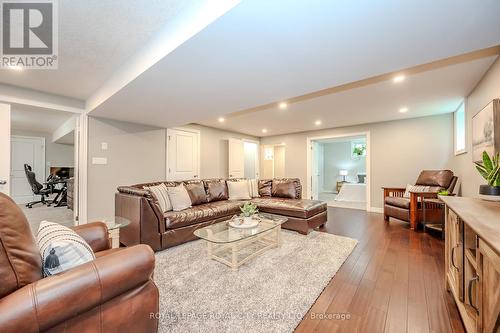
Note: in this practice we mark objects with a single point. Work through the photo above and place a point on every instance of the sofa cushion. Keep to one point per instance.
(202, 213)
(179, 197)
(238, 190)
(196, 191)
(398, 202)
(20, 262)
(301, 208)
(441, 178)
(265, 186)
(216, 189)
(284, 188)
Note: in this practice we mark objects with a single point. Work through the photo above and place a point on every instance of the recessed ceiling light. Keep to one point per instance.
(283, 105)
(403, 110)
(317, 122)
(399, 78)
(264, 130)
(221, 119)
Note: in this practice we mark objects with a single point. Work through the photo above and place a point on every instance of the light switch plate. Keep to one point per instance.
(104, 145)
(99, 160)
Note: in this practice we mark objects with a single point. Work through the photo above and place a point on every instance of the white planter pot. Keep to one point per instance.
(247, 220)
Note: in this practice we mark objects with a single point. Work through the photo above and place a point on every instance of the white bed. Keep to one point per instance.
(354, 192)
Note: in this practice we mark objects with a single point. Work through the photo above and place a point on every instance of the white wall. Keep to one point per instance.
(399, 150)
(486, 90)
(337, 156)
(56, 155)
(136, 154)
(214, 150)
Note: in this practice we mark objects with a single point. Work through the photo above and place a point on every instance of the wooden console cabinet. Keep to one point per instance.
(472, 261)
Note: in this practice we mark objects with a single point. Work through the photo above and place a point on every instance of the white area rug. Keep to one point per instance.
(270, 293)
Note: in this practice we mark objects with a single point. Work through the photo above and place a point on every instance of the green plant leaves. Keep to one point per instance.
(489, 169)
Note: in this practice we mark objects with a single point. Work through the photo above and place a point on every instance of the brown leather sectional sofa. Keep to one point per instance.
(210, 202)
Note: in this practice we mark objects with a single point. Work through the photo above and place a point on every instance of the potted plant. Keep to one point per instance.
(248, 211)
(490, 170)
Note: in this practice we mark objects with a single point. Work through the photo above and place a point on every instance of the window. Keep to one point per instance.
(460, 125)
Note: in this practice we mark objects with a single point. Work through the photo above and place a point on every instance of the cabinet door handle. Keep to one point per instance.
(453, 257)
(469, 290)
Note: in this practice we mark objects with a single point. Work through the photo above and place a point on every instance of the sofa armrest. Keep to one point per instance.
(95, 234)
(134, 191)
(390, 191)
(43, 304)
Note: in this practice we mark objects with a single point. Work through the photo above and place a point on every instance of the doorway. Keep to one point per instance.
(339, 170)
(251, 152)
(28, 150)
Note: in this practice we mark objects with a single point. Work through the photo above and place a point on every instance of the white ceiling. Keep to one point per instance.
(265, 51)
(37, 119)
(95, 38)
(427, 93)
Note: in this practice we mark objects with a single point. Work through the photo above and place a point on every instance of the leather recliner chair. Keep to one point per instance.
(410, 209)
(113, 293)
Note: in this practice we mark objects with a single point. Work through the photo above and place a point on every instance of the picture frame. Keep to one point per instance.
(486, 131)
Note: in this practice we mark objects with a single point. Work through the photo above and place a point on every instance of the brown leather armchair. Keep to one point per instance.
(114, 293)
(410, 209)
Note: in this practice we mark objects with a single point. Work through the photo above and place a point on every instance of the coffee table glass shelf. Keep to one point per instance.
(235, 246)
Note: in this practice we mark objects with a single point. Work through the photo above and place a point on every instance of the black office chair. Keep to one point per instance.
(37, 188)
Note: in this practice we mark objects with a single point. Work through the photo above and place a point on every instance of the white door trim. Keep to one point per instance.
(185, 129)
(81, 170)
(334, 136)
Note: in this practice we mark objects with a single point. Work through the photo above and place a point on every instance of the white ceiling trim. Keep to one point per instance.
(171, 36)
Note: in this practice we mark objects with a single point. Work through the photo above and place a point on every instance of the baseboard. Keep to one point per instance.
(376, 210)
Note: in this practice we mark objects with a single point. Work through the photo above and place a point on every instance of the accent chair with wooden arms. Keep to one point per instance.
(410, 209)
(113, 293)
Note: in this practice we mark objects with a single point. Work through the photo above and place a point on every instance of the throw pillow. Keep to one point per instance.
(283, 188)
(160, 193)
(238, 190)
(179, 198)
(216, 190)
(196, 191)
(415, 188)
(253, 188)
(61, 248)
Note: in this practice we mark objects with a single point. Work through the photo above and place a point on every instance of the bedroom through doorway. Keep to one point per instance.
(338, 171)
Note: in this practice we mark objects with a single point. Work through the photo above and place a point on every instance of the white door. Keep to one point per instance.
(4, 148)
(183, 154)
(236, 158)
(31, 151)
(251, 168)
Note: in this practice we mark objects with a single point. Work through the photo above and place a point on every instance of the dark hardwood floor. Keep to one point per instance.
(392, 282)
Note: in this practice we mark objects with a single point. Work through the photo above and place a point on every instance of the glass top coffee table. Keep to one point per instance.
(234, 246)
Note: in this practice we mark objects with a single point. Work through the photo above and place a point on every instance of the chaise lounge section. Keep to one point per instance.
(163, 230)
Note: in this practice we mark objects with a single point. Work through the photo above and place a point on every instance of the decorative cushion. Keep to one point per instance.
(415, 188)
(284, 189)
(179, 197)
(265, 187)
(216, 190)
(20, 262)
(160, 193)
(196, 191)
(398, 202)
(441, 178)
(61, 248)
(253, 188)
(238, 190)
